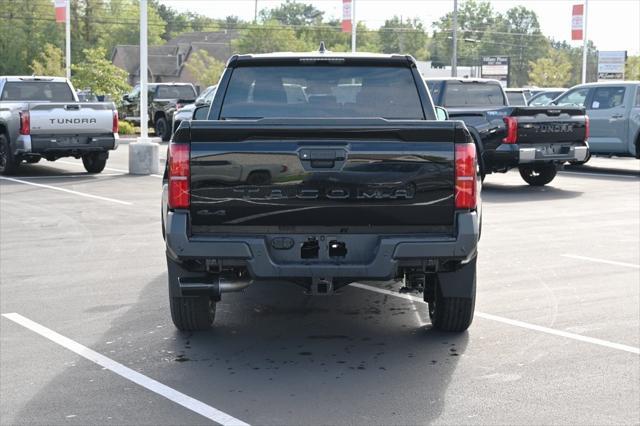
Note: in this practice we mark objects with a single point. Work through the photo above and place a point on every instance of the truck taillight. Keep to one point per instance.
(587, 128)
(511, 124)
(465, 195)
(25, 123)
(116, 122)
(179, 176)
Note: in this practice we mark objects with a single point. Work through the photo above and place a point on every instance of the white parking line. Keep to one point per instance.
(69, 191)
(71, 176)
(146, 382)
(516, 323)
(599, 174)
(609, 262)
(106, 168)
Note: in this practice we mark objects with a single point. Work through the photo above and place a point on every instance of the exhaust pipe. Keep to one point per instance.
(197, 286)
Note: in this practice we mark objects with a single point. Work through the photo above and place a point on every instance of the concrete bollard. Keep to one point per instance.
(144, 156)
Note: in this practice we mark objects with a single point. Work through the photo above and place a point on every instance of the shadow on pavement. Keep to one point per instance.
(277, 356)
(497, 193)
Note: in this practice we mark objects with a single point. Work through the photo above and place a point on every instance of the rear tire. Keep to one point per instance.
(8, 163)
(94, 163)
(538, 175)
(192, 313)
(163, 129)
(454, 314)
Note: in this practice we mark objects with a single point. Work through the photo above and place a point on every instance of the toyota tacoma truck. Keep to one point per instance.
(537, 140)
(370, 186)
(164, 100)
(40, 117)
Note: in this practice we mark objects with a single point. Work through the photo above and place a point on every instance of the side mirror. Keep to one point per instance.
(441, 114)
(125, 98)
(201, 112)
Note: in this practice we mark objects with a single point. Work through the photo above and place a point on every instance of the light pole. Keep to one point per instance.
(144, 156)
(454, 54)
(67, 30)
(354, 24)
(584, 43)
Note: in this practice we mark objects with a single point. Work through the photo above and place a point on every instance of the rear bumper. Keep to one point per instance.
(374, 257)
(65, 144)
(512, 155)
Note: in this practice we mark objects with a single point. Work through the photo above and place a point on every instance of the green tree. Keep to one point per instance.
(99, 75)
(632, 68)
(25, 27)
(474, 19)
(268, 37)
(552, 70)
(204, 68)
(516, 34)
(404, 36)
(575, 57)
(293, 13)
(50, 62)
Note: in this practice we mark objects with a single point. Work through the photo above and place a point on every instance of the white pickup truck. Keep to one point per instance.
(40, 117)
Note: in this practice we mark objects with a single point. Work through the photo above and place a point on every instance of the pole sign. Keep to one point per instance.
(577, 22)
(346, 16)
(61, 10)
(611, 64)
(497, 68)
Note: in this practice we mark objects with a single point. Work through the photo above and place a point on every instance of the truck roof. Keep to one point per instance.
(14, 78)
(463, 79)
(609, 83)
(297, 57)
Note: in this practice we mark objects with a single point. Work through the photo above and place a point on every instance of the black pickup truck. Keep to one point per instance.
(536, 140)
(349, 178)
(163, 100)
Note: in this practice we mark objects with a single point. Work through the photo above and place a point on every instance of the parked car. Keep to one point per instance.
(186, 112)
(516, 97)
(41, 117)
(546, 96)
(614, 115)
(164, 99)
(536, 140)
(375, 188)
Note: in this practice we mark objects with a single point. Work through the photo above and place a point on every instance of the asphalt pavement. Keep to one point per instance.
(86, 336)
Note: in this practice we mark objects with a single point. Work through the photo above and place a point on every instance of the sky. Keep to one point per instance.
(611, 24)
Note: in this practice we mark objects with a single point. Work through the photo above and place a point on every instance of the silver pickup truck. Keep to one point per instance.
(613, 109)
(40, 117)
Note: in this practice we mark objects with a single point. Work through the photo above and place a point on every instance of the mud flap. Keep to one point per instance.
(460, 283)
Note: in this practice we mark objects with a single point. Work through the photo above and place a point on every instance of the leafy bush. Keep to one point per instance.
(126, 128)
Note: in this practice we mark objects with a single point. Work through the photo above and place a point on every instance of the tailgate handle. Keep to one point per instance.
(72, 106)
(321, 154)
(321, 158)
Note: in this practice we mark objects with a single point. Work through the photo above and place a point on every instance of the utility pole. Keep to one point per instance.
(144, 115)
(67, 30)
(584, 43)
(255, 12)
(354, 24)
(454, 54)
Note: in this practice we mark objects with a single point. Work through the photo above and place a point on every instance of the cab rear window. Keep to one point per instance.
(459, 94)
(37, 91)
(319, 91)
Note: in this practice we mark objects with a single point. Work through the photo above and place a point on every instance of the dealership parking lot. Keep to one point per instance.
(86, 335)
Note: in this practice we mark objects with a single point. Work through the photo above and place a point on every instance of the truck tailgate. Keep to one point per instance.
(72, 118)
(544, 125)
(393, 175)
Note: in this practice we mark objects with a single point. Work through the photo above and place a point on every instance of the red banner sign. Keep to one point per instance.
(346, 16)
(61, 10)
(577, 22)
